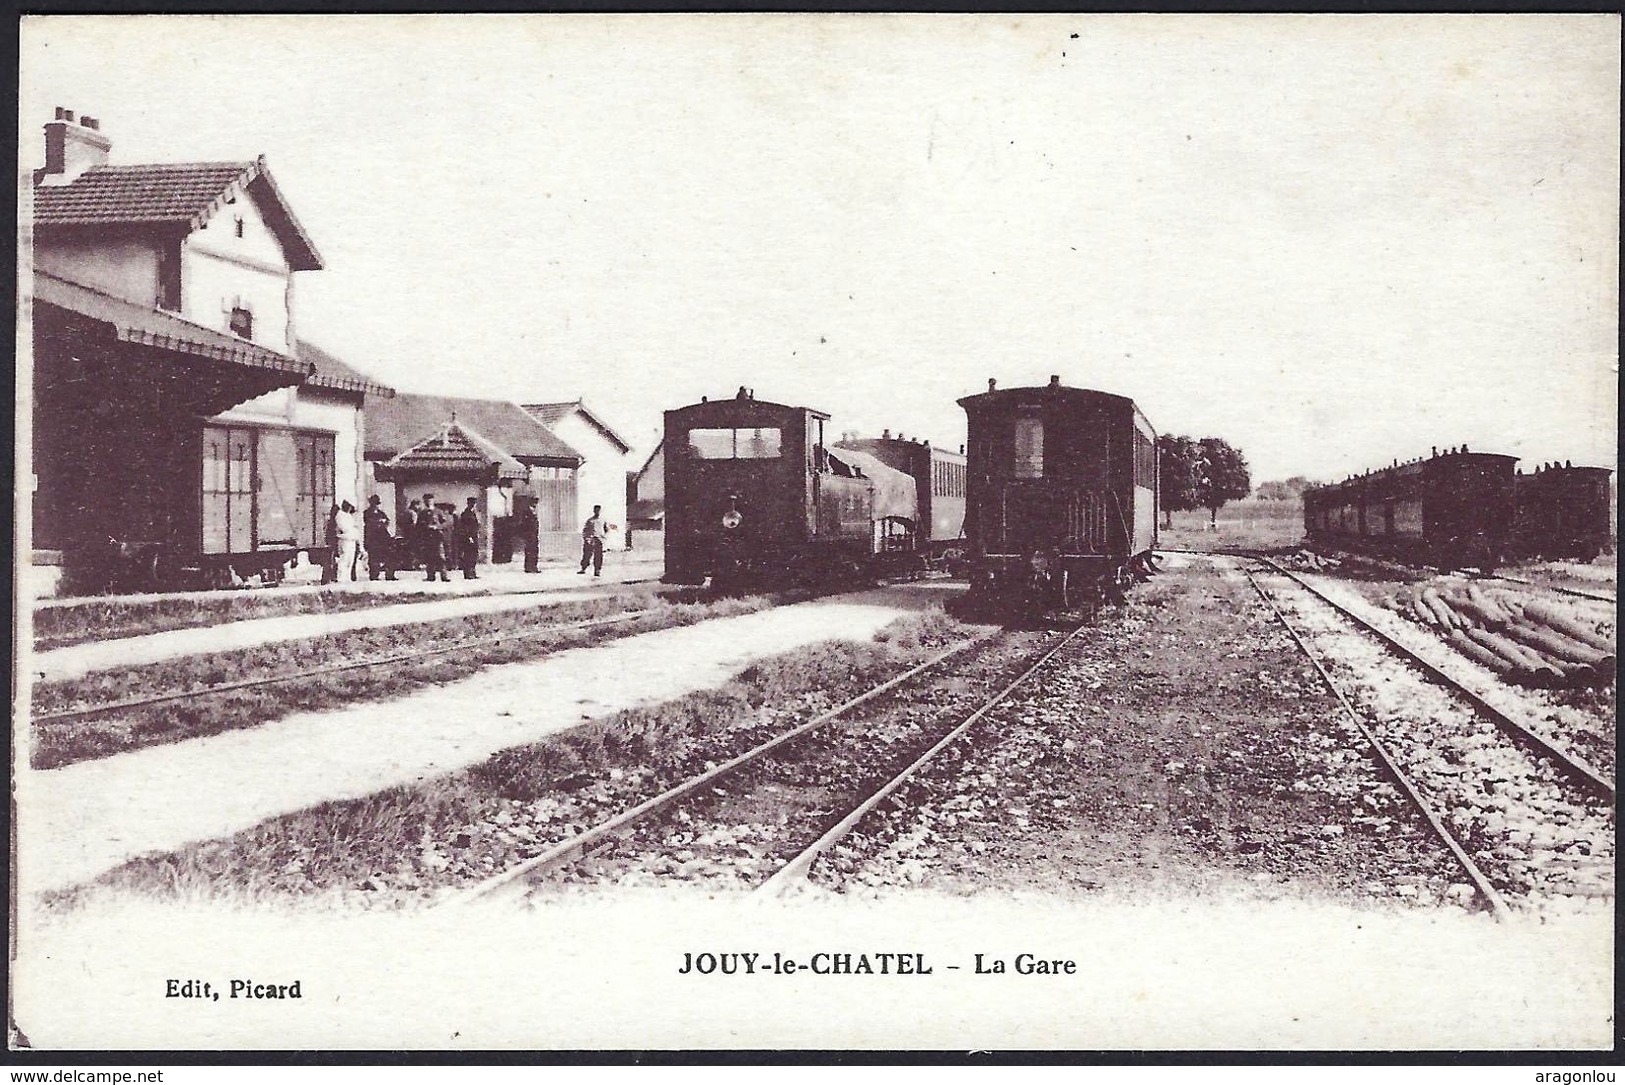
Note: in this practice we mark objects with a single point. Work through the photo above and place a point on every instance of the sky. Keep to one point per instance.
(1330, 240)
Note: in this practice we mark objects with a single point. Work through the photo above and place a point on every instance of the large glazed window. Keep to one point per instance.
(317, 470)
(228, 490)
(1029, 460)
(735, 444)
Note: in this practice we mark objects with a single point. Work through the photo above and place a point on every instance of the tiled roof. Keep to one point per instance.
(551, 414)
(394, 425)
(179, 193)
(330, 372)
(133, 323)
(455, 449)
(173, 192)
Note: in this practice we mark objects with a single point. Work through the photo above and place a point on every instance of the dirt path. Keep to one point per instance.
(75, 822)
(75, 661)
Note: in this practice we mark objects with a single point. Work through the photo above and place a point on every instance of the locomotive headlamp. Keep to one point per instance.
(1040, 562)
(732, 519)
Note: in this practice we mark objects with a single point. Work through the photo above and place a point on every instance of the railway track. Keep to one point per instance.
(394, 658)
(1570, 763)
(521, 880)
(391, 659)
(1424, 570)
(1475, 829)
(1612, 600)
(50, 643)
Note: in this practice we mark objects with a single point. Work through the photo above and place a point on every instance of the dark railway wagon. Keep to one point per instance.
(1061, 498)
(754, 496)
(1563, 511)
(1451, 509)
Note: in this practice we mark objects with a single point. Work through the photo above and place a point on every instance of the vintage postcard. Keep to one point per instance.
(893, 532)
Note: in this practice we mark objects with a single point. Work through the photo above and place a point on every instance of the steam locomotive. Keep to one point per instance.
(757, 496)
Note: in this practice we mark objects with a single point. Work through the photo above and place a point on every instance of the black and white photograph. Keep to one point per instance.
(816, 532)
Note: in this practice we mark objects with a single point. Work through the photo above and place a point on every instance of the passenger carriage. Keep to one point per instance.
(1061, 500)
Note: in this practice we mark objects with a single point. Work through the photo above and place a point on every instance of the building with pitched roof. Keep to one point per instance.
(183, 432)
(601, 479)
(455, 463)
(456, 447)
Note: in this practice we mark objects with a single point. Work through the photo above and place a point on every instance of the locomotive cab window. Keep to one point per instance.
(1029, 458)
(735, 444)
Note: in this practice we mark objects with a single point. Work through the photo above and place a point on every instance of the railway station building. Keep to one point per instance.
(497, 452)
(601, 478)
(182, 434)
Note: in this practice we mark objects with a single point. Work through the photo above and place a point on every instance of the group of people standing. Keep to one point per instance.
(433, 539)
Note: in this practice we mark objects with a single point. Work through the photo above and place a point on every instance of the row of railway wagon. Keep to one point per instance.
(1463, 509)
(1051, 503)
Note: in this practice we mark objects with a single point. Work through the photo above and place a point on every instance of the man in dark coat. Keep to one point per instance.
(468, 539)
(379, 542)
(407, 548)
(330, 566)
(530, 534)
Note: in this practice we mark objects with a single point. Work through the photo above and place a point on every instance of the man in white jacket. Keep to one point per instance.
(349, 533)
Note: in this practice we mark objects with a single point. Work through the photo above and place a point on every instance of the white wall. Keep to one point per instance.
(601, 480)
(652, 483)
(219, 269)
(124, 269)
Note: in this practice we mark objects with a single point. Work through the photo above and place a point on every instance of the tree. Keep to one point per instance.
(1176, 475)
(1221, 476)
(1273, 491)
(1289, 489)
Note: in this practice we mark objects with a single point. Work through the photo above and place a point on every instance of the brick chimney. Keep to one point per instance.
(71, 147)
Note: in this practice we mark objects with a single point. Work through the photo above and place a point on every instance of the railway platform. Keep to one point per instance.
(493, 579)
(502, 590)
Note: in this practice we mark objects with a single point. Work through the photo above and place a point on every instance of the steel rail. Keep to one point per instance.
(796, 870)
(1487, 892)
(515, 879)
(277, 679)
(1587, 775)
(56, 643)
(405, 657)
(383, 600)
(1596, 596)
(1372, 560)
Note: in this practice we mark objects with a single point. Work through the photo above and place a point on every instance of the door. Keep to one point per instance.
(278, 515)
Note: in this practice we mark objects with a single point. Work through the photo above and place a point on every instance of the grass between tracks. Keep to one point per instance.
(398, 846)
(62, 742)
(116, 618)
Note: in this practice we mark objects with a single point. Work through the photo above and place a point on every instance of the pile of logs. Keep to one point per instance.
(1526, 641)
